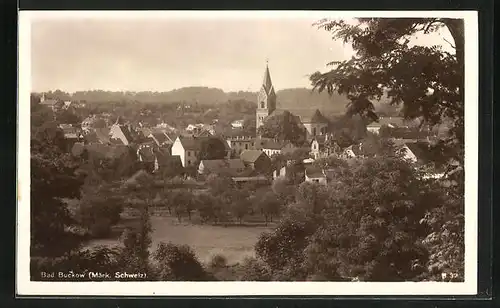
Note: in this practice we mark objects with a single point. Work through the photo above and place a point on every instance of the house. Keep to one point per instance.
(147, 157)
(98, 135)
(391, 122)
(66, 105)
(161, 139)
(122, 133)
(319, 146)
(352, 151)
(188, 149)
(51, 103)
(257, 161)
(71, 135)
(417, 152)
(272, 147)
(165, 126)
(315, 175)
(237, 124)
(92, 122)
(239, 144)
(283, 170)
(231, 167)
(204, 132)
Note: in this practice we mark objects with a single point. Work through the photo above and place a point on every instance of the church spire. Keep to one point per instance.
(267, 83)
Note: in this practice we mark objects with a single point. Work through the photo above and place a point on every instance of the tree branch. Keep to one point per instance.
(452, 46)
(426, 29)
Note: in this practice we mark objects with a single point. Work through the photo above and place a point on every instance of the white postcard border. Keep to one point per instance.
(26, 287)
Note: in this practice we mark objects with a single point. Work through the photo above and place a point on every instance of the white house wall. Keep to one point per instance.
(178, 149)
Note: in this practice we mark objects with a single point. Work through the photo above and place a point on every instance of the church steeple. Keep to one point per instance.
(267, 83)
(266, 99)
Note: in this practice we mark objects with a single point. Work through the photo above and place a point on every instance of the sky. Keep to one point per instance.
(169, 53)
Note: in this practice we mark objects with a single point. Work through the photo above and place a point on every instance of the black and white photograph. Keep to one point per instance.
(322, 153)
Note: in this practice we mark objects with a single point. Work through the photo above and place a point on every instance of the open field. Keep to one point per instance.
(234, 242)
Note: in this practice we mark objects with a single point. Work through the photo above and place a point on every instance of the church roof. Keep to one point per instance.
(305, 115)
(267, 83)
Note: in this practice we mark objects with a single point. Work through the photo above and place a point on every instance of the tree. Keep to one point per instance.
(283, 190)
(183, 203)
(331, 162)
(255, 270)
(136, 242)
(100, 208)
(427, 81)
(53, 177)
(372, 226)
(212, 148)
(179, 263)
(269, 205)
(68, 116)
(249, 123)
(284, 127)
(283, 248)
(239, 204)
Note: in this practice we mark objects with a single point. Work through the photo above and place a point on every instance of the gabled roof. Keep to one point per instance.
(315, 117)
(303, 114)
(126, 132)
(191, 143)
(161, 137)
(250, 156)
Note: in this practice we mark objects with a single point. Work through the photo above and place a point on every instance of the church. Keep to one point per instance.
(311, 119)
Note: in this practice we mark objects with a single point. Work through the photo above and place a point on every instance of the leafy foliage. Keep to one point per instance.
(178, 262)
(212, 148)
(284, 127)
(427, 81)
(53, 177)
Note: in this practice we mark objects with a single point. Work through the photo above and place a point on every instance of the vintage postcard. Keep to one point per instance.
(247, 153)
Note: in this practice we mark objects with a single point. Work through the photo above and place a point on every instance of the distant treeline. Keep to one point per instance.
(287, 98)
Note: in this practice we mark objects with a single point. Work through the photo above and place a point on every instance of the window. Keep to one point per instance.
(253, 144)
(314, 131)
(246, 146)
(189, 162)
(261, 104)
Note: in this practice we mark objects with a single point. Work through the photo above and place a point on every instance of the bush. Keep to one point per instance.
(255, 270)
(179, 262)
(218, 261)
